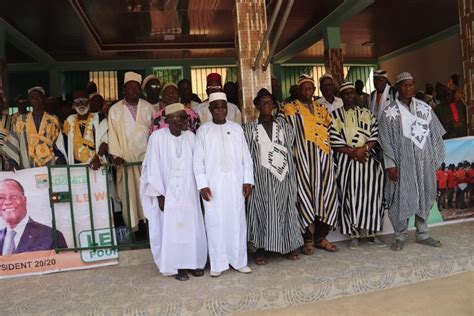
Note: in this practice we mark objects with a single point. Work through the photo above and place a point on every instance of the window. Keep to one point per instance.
(106, 82)
(168, 74)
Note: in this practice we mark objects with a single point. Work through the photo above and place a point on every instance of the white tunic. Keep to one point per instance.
(177, 234)
(223, 163)
(337, 103)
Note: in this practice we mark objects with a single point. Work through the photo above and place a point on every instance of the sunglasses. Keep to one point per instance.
(154, 86)
(81, 100)
(214, 87)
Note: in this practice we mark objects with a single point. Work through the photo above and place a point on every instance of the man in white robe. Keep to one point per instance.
(170, 198)
(327, 87)
(214, 84)
(224, 174)
(129, 122)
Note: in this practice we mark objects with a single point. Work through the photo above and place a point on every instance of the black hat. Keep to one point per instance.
(263, 93)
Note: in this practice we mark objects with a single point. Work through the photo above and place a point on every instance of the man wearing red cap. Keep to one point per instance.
(214, 84)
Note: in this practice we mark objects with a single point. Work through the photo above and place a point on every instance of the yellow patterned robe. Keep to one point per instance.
(40, 142)
(317, 194)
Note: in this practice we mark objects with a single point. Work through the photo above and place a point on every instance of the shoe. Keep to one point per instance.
(429, 242)
(215, 274)
(245, 269)
(374, 241)
(354, 244)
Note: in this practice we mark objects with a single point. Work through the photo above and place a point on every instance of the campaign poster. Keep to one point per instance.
(27, 241)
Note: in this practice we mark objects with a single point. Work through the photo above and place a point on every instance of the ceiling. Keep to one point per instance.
(78, 30)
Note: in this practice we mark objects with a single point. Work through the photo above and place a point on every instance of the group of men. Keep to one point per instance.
(210, 187)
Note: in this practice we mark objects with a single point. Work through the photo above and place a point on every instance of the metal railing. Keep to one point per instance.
(66, 197)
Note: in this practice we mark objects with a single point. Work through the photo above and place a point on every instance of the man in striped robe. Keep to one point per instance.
(359, 173)
(9, 152)
(411, 137)
(272, 217)
(317, 193)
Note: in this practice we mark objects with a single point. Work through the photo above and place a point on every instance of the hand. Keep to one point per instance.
(95, 163)
(206, 194)
(103, 149)
(118, 161)
(161, 203)
(361, 154)
(393, 174)
(246, 190)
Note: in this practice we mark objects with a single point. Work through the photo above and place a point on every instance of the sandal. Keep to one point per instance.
(197, 272)
(326, 245)
(182, 275)
(293, 255)
(260, 260)
(308, 248)
(397, 245)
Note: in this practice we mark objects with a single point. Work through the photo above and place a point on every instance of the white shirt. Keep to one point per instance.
(331, 106)
(19, 229)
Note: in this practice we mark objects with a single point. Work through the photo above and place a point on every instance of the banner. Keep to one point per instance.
(26, 221)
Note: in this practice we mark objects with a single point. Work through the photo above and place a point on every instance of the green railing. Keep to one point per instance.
(66, 197)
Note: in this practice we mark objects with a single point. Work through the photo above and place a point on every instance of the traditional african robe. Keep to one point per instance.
(387, 97)
(37, 145)
(336, 104)
(84, 137)
(177, 234)
(272, 217)
(317, 192)
(222, 162)
(128, 139)
(233, 112)
(412, 140)
(9, 146)
(360, 185)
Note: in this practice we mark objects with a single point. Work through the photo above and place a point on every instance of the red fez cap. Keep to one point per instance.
(214, 77)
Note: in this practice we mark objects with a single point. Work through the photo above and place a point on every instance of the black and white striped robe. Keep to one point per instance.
(272, 217)
(360, 185)
(315, 175)
(415, 191)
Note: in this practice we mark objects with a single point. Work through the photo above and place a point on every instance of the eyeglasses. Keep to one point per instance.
(214, 87)
(81, 100)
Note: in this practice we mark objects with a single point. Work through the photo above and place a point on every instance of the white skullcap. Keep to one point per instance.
(380, 73)
(173, 108)
(148, 78)
(169, 84)
(217, 96)
(346, 85)
(37, 88)
(132, 76)
(403, 76)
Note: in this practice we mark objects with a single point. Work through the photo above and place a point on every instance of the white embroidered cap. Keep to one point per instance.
(132, 76)
(37, 88)
(326, 75)
(217, 96)
(173, 108)
(403, 76)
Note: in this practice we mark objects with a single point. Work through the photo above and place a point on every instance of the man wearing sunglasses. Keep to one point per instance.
(85, 134)
(214, 84)
(151, 87)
